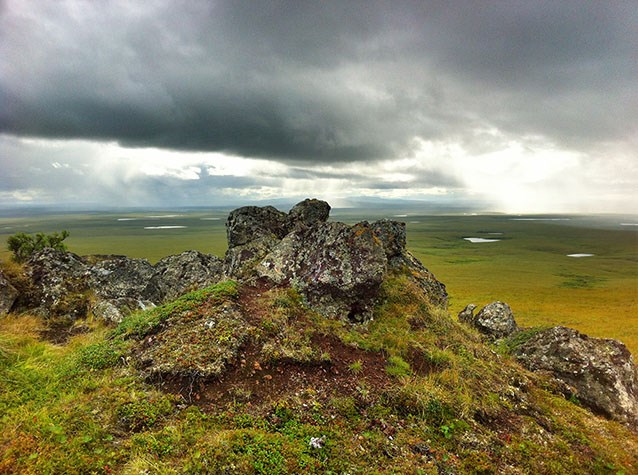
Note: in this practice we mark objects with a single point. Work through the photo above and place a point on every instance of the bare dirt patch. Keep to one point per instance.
(346, 370)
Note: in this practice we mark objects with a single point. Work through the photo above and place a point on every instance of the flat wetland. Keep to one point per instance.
(525, 261)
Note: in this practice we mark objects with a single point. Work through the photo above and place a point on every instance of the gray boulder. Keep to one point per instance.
(252, 232)
(337, 268)
(115, 310)
(496, 320)
(309, 212)
(58, 280)
(108, 311)
(8, 295)
(601, 372)
(392, 235)
(122, 277)
(252, 223)
(190, 270)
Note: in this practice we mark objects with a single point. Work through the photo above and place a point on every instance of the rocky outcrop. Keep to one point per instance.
(190, 270)
(8, 295)
(123, 277)
(338, 268)
(62, 284)
(601, 372)
(392, 235)
(252, 232)
(58, 284)
(495, 320)
(308, 212)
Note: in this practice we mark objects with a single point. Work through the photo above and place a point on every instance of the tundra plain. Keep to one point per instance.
(525, 262)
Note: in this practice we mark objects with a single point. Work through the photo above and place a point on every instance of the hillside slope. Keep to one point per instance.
(291, 365)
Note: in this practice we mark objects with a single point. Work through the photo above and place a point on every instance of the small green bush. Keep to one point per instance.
(23, 245)
(104, 354)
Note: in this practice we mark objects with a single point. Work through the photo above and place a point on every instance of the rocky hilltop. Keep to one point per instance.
(341, 330)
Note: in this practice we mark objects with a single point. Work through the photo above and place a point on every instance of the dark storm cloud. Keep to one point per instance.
(318, 81)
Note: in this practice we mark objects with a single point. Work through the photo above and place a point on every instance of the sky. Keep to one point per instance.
(510, 106)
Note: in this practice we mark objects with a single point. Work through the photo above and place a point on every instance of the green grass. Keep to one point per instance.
(529, 270)
(86, 408)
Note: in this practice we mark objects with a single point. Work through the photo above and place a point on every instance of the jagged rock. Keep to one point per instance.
(601, 371)
(496, 320)
(434, 289)
(122, 277)
(392, 236)
(252, 232)
(115, 310)
(8, 295)
(190, 270)
(58, 280)
(253, 223)
(337, 268)
(467, 314)
(309, 212)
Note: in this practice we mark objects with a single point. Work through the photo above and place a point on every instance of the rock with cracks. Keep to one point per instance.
(58, 284)
(496, 320)
(252, 232)
(190, 270)
(337, 268)
(601, 372)
(123, 277)
(308, 212)
(8, 295)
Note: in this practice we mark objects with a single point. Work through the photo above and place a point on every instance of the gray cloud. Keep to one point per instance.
(319, 81)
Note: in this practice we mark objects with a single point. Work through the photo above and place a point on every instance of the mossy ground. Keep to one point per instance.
(411, 391)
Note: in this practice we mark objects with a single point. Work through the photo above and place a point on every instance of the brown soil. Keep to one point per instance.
(253, 381)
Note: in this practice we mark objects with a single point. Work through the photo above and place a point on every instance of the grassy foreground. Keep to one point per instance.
(413, 391)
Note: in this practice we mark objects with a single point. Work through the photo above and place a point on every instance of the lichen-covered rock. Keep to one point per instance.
(190, 270)
(337, 268)
(252, 223)
(122, 277)
(107, 311)
(8, 294)
(392, 236)
(431, 287)
(467, 314)
(116, 310)
(309, 212)
(601, 371)
(57, 277)
(252, 232)
(496, 320)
